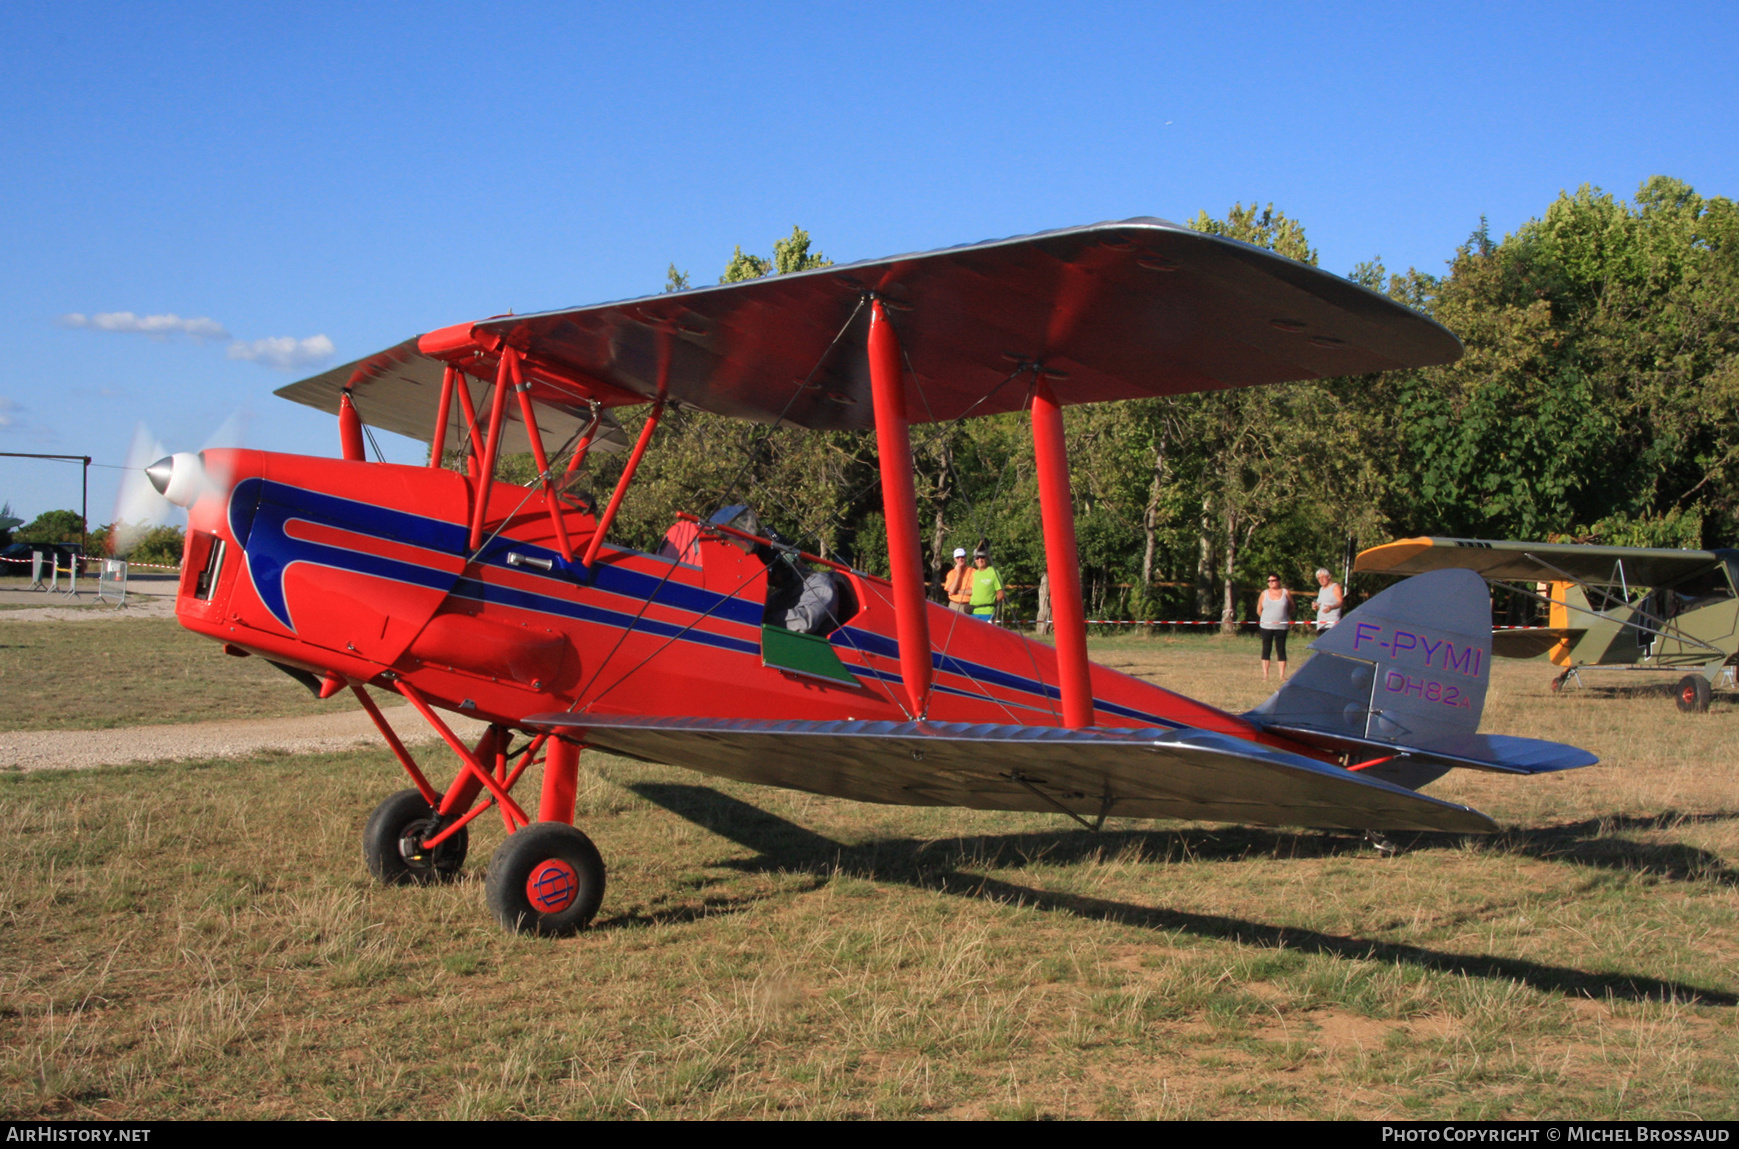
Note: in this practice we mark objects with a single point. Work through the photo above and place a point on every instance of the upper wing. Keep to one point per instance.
(1537, 562)
(1145, 773)
(1110, 311)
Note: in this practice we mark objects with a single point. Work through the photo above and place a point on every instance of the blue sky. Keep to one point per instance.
(316, 182)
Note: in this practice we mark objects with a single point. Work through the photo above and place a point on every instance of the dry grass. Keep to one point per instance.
(203, 941)
(78, 675)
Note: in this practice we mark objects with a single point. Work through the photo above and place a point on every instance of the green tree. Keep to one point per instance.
(53, 527)
(160, 545)
(792, 254)
(1599, 395)
(743, 267)
(1264, 456)
(1598, 398)
(789, 254)
(1265, 228)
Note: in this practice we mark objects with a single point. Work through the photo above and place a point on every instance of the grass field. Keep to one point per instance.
(79, 675)
(202, 940)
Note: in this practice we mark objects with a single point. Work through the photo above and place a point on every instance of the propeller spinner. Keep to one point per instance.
(180, 477)
(150, 492)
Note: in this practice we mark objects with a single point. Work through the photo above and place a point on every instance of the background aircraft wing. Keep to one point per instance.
(1536, 562)
(399, 390)
(1532, 641)
(1149, 773)
(1111, 311)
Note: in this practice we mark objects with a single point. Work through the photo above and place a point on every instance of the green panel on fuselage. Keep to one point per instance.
(802, 654)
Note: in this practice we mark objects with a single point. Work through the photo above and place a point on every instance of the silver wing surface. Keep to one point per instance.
(1144, 773)
(1537, 562)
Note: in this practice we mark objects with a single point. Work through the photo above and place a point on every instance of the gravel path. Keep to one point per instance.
(229, 738)
(83, 609)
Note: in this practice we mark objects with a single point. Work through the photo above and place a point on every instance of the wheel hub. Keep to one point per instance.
(552, 886)
(411, 844)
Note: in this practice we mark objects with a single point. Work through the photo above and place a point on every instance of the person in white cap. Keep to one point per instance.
(958, 584)
(1328, 600)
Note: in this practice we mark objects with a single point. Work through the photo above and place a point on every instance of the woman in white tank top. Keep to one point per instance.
(1274, 616)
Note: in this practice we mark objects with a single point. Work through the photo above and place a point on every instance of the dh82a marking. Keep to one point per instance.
(1397, 683)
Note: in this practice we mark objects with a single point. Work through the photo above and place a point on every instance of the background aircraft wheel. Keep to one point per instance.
(545, 879)
(391, 843)
(1693, 694)
(1557, 683)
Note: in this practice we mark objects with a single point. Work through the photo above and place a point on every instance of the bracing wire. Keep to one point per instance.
(834, 519)
(729, 489)
(935, 435)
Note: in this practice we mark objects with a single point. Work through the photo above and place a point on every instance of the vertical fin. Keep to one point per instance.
(1409, 667)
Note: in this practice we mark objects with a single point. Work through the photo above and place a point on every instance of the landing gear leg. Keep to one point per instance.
(547, 878)
(1381, 843)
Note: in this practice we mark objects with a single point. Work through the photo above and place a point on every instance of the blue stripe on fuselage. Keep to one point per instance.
(257, 503)
(476, 590)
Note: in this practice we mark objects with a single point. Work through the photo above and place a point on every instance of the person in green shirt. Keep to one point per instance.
(986, 585)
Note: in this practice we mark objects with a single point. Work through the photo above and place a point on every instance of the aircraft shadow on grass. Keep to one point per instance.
(927, 864)
(1590, 843)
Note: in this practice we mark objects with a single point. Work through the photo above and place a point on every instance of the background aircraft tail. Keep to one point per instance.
(1401, 682)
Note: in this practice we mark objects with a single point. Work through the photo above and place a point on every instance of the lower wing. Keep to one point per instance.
(1140, 773)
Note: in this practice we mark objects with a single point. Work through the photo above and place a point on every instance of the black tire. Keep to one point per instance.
(391, 843)
(1693, 694)
(545, 879)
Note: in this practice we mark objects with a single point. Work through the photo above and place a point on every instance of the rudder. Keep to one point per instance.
(1407, 672)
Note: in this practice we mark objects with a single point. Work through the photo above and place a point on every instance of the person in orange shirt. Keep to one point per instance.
(958, 583)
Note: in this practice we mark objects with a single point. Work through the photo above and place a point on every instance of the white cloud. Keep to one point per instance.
(284, 352)
(200, 328)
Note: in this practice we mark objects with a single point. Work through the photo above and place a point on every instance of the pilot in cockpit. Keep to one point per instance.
(799, 598)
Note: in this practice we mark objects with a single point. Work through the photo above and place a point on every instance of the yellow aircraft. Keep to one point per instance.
(1623, 608)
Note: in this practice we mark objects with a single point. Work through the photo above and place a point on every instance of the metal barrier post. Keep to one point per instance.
(36, 571)
(112, 582)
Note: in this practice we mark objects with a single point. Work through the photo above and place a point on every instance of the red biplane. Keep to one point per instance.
(739, 655)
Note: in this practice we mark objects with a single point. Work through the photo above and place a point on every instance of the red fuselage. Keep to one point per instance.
(362, 570)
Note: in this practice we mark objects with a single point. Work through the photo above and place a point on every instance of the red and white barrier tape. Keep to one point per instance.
(98, 559)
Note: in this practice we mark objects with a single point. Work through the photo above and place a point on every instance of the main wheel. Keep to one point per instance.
(392, 843)
(1693, 694)
(546, 878)
(1558, 682)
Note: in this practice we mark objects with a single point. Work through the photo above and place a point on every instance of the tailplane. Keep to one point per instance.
(1400, 683)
